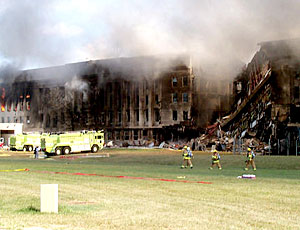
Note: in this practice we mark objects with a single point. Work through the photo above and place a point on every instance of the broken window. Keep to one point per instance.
(117, 135)
(62, 117)
(126, 135)
(185, 115)
(296, 93)
(8, 107)
(174, 81)
(120, 117)
(128, 115)
(137, 100)
(145, 133)
(15, 119)
(110, 101)
(55, 120)
(185, 81)
(185, 97)
(136, 135)
(147, 100)
(157, 115)
(239, 86)
(28, 119)
(156, 99)
(175, 99)
(146, 115)
(128, 101)
(174, 115)
(47, 121)
(110, 117)
(137, 115)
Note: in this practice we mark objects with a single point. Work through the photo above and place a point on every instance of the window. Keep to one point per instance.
(8, 107)
(137, 115)
(117, 135)
(174, 115)
(157, 115)
(175, 99)
(102, 118)
(128, 101)
(110, 117)
(136, 135)
(174, 81)
(110, 101)
(15, 120)
(145, 133)
(147, 100)
(296, 92)
(21, 119)
(128, 115)
(185, 81)
(126, 134)
(156, 99)
(47, 121)
(2, 119)
(185, 97)
(55, 121)
(119, 117)
(147, 115)
(28, 119)
(137, 100)
(8, 119)
(62, 117)
(185, 115)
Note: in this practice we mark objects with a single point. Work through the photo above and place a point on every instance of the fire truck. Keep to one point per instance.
(25, 142)
(73, 142)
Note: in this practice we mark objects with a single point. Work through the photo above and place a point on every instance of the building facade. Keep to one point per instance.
(135, 100)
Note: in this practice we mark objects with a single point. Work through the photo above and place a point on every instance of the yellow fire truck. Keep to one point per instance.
(25, 142)
(66, 143)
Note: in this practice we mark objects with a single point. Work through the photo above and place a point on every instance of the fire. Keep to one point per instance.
(27, 96)
(2, 108)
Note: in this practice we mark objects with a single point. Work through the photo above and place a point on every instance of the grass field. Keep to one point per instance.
(272, 201)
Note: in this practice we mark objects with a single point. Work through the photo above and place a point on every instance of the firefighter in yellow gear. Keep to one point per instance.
(187, 156)
(215, 160)
(250, 159)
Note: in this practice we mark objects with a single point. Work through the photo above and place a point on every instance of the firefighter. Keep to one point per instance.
(250, 159)
(215, 160)
(187, 155)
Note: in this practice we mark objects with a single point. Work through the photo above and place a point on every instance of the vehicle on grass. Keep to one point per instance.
(1, 142)
(25, 142)
(73, 142)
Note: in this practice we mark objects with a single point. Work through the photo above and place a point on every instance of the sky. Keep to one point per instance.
(40, 33)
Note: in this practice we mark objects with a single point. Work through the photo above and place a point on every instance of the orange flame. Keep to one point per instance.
(2, 108)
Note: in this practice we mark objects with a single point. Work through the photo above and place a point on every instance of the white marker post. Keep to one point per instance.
(49, 198)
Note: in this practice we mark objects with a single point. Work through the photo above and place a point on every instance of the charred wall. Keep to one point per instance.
(266, 96)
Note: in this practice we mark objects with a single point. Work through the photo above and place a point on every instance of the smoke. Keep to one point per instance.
(220, 35)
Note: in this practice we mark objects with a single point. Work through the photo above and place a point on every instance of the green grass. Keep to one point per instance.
(90, 202)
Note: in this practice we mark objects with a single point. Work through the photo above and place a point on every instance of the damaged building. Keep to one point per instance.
(267, 98)
(135, 100)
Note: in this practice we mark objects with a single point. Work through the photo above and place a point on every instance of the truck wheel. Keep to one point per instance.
(25, 148)
(30, 148)
(95, 148)
(67, 150)
(58, 151)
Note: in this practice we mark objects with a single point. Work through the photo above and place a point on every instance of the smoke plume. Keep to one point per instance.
(219, 35)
